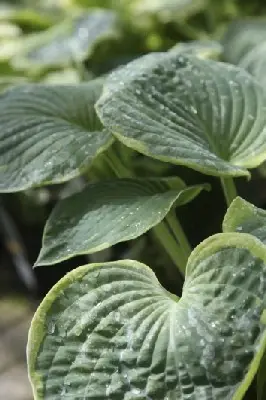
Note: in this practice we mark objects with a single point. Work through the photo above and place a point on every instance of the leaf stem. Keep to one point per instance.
(116, 165)
(178, 233)
(169, 232)
(169, 243)
(229, 190)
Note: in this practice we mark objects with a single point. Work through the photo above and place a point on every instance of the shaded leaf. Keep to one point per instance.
(111, 331)
(49, 134)
(109, 212)
(204, 114)
(241, 37)
(245, 45)
(255, 62)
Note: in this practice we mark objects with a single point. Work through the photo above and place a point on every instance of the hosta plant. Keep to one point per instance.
(109, 330)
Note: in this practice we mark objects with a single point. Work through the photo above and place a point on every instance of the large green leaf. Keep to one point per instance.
(72, 40)
(244, 217)
(110, 331)
(204, 114)
(107, 213)
(49, 134)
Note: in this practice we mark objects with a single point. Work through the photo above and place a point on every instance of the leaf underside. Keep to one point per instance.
(111, 331)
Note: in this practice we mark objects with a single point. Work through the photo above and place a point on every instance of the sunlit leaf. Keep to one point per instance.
(243, 216)
(199, 48)
(204, 114)
(49, 134)
(170, 9)
(67, 76)
(110, 331)
(109, 212)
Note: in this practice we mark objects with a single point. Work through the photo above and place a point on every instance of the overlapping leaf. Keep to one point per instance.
(204, 114)
(109, 212)
(244, 217)
(241, 37)
(199, 48)
(245, 45)
(110, 331)
(49, 134)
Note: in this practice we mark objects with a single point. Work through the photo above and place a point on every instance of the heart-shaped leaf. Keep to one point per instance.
(107, 213)
(110, 331)
(73, 40)
(49, 134)
(244, 217)
(204, 114)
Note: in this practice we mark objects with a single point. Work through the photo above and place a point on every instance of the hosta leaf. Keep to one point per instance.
(241, 37)
(261, 379)
(49, 134)
(7, 81)
(204, 114)
(245, 45)
(66, 76)
(244, 217)
(255, 62)
(107, 213)
(170, 9)
(199, 48)
(111, 331)
(73, 40)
